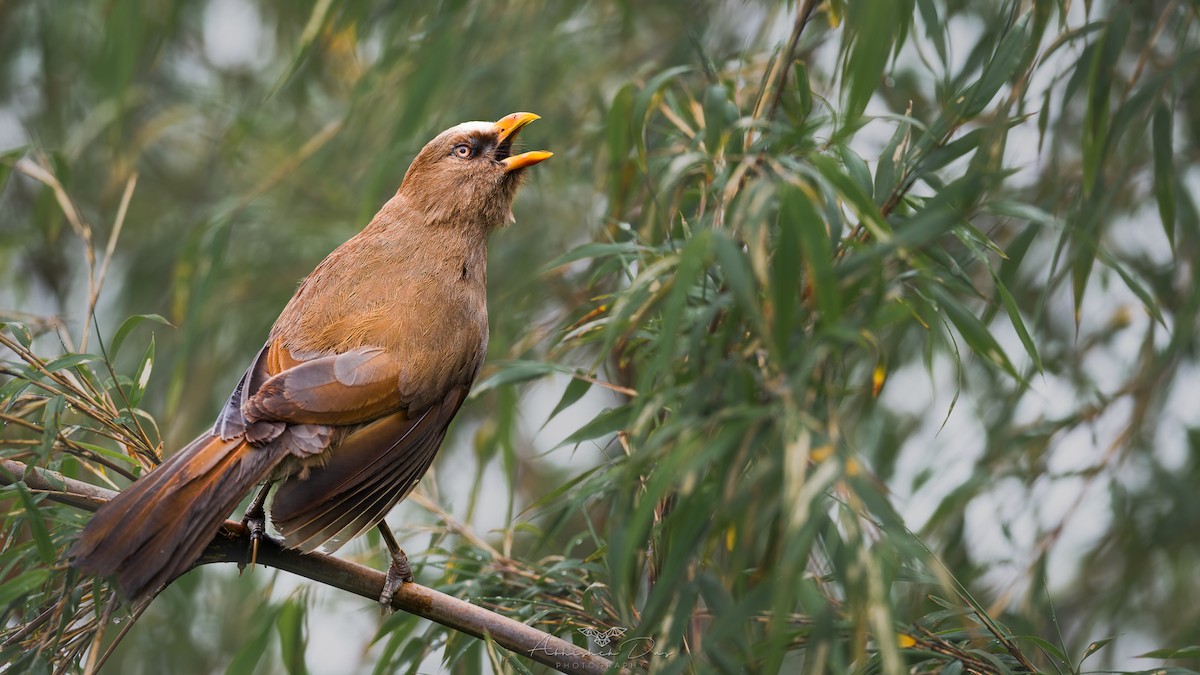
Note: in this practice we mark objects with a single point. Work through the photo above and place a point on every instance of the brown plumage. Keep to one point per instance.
(349, 400)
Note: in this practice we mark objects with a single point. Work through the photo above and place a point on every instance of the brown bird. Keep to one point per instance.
(347, 403)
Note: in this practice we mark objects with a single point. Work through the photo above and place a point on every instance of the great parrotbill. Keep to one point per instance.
(347, 403)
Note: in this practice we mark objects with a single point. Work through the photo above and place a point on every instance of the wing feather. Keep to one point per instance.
(352, 387)
(370, 471)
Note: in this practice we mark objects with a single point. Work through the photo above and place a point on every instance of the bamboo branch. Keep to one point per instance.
(232, 543)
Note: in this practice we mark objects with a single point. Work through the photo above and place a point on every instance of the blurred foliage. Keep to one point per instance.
(891, 303)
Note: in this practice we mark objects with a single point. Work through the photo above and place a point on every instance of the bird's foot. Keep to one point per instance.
(255, 521)
(398, 574)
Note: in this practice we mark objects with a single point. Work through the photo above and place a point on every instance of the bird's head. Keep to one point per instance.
(468, 173)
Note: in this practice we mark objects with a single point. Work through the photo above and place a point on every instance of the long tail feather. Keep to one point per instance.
(157, 527)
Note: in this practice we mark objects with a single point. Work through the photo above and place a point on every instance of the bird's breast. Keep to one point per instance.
(430, 312)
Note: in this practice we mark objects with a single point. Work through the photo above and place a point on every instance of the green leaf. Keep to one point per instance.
(51, 415)
(1095, 647)
(715, 99)
(817, 250)
(1049, 647)
(871, 29)
(570, 485)
(19, 331)
(1164, 170)
(70, 361)
(141, 378)
(998, 70)
(618, 138)
(935, 28)
(735, 265)
(20, 586)
(972, 329)
(289, 623)
(609, 421)
(1023, 211)
(891, 164)
(641, 106)
(859, 201)
(245, 661)
(942, 155)
(111, 454)
(127, 326)
(317, 20)
(595, 250)
(37, 526)
(8, 160)
(514, 372)
(1148, 301)
(785, 274)
(693, 260)
(803, 88)
(1100, 76)
(1018, 324)
(857, 169)
(1189, 652)
(575, 390)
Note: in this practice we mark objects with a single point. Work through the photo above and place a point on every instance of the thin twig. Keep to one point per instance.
(137, 614)
(803, 14)
(43, 175)
(111, 248)
(69, 445)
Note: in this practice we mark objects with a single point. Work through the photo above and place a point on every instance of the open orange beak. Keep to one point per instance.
(506, 130)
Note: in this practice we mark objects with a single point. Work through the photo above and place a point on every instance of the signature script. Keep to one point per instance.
(633, 648)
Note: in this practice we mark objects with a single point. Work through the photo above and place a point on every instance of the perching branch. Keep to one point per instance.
(232, 541)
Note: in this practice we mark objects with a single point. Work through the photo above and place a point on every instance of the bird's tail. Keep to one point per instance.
(157, 527)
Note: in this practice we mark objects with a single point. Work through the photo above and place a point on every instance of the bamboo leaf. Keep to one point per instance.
(575, 390)
(857, 169)
(871, 30)
(141, 378)
(785, 273)
(1164, 170)
(246, 660)
(17, 588)
(595, 250)
(1095, 647)
(516, 372)
(641, 106)
(1018, 324)
(289, 624)
(715, 99)
(37, 526)
(609, 421)
(1189, 652)
(998, 70)
(735, 266)
(817, 252)
(803, 89)
(70, 361)
(126, 327)
(51, 424)
(972, 329)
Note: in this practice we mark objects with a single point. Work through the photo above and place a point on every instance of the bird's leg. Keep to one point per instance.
(398, 572)
(255, 520)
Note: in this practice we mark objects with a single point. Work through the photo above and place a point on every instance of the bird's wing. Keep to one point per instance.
(356, 386)
(372, 469)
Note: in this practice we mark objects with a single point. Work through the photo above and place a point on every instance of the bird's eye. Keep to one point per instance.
(462, 151)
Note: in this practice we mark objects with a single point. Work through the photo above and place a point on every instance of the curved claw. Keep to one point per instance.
(255, 520)
(398, 574)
